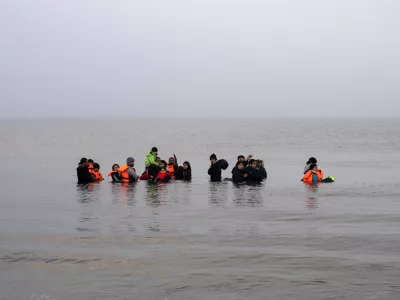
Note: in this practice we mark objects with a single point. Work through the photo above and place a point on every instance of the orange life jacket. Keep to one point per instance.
(124, 173)
(90, 168)
(112, 172)
(308, 176)
(170, 168)
(98, 175)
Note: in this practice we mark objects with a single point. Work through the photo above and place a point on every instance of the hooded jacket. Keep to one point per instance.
(151, 159)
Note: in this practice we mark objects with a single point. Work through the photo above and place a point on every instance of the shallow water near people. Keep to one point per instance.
(200, 240)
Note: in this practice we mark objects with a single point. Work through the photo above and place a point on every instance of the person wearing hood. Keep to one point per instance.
(82, 172)
(151, 162)
(128, 172)
(253, 174)
(215, 169)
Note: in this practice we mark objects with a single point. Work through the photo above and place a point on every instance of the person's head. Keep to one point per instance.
(90, 161)
(83, 161)
(163, 163)
(115, 167)
(261, 163)
(312, 160)
(171, 160)
(253, 163)
(240, 165)
(158, 160)
(186, 165)
(163, 170)
(154, 151)
(213, 158)
(96, 167)
(130, 161)
(314, 167)
(241, 158)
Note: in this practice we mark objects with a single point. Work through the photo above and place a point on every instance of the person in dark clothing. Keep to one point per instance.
(82, 172)
(254, 175)
(115, 176)
(244, 160)
(187, 171)
(261, 168)
(311, 160)
(215, 169)
(184, 172)
(237, 172)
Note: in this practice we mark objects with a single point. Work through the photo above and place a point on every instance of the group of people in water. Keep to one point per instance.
(157, 170)
(246, 170)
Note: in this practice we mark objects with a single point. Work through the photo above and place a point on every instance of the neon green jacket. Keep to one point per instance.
(151, 159)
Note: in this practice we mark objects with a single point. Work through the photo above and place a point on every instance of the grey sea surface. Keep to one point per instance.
(200, 240)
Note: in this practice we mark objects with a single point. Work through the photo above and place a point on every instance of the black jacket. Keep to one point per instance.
(254, 174)
(83, 175)
(263, 172)
(215, 172)
(237, 175)
(182, 174)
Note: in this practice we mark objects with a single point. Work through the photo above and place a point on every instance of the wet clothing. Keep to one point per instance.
(98, 175)
(83, 174)
(307, 168)
(183, 174)
(114, 176)
(263, 172)
(163, 177)
(237, 175)
(151, 160)
(215, 172)
(312, 178)
(153, 170)
(144, 176)
(254, 175)
(128, 174)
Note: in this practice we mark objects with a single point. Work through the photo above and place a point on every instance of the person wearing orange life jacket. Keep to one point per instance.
(172, 165)
(128, 172)
(91, 168)
(97, 173)
(114, 173)
(313, 176)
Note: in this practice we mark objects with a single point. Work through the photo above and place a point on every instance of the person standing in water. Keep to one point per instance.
(82, 172)
(172, 165)
(311, 160)
(128, 172)
(215, 169)
(313, 176)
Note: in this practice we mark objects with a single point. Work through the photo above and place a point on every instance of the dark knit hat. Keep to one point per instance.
(213, 156)
(154, 149)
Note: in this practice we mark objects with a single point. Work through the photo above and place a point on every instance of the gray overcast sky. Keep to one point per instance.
(73, 58)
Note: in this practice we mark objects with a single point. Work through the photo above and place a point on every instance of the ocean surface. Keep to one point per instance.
(200, 240)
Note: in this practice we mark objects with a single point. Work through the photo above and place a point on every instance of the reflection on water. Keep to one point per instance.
(87, 192)
(311, 196)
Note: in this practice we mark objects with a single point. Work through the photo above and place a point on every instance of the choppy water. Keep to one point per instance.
(200, 240)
